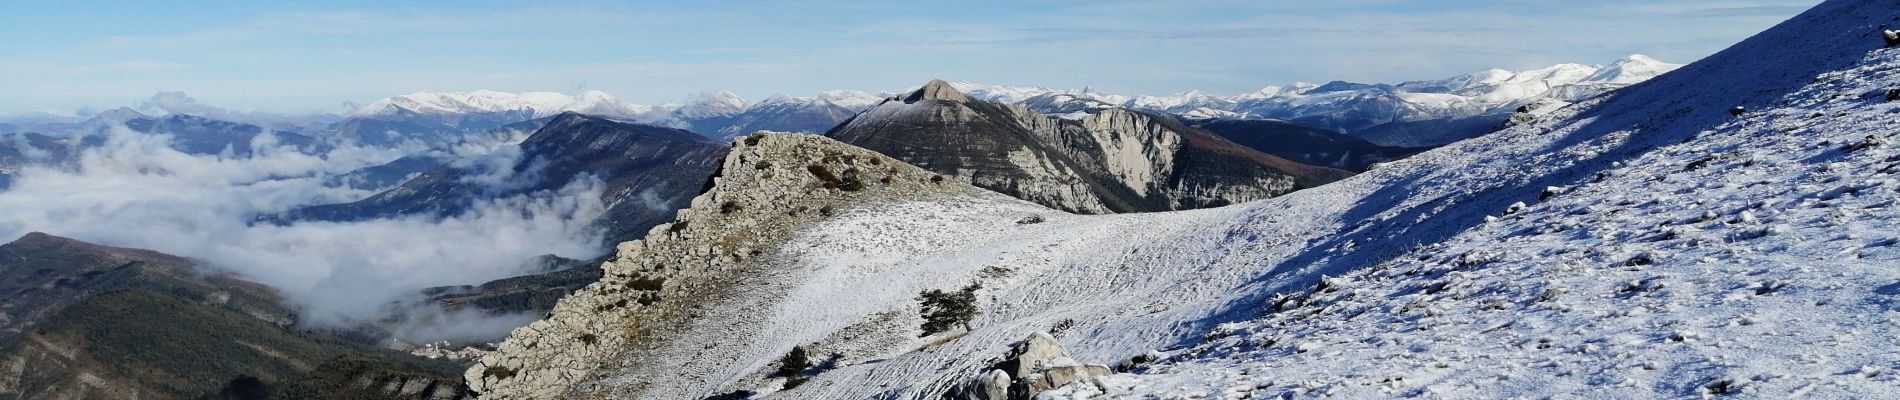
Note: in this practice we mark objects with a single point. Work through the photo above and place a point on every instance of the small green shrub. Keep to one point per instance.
(943, 310)
(823, 174)
(851, 183)
(793, 363)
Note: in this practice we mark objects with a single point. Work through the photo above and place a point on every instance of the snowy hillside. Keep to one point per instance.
(1748, 256)
(1683, 250)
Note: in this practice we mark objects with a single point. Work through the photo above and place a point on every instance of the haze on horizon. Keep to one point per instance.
(319, 57)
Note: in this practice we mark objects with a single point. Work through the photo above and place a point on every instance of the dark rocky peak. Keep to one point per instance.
(937, 89)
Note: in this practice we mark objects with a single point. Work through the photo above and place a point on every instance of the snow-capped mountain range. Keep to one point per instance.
(536, 104)
(1487, 91)
(1337, 105)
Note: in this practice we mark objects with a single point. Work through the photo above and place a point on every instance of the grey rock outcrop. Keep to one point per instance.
(1034, 365)
(1113, 160)
(767, 186)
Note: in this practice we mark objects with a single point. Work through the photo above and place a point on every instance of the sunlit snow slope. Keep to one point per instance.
(1658, 283)
(1752, 256)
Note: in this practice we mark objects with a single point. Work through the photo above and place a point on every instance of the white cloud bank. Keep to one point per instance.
(137, 192)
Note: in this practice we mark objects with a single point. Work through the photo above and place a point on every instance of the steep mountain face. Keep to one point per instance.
(1664, 248)
(644, 171)
(1304, 144)
(1112, 161)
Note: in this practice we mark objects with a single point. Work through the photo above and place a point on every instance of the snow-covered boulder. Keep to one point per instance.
(1034, 365)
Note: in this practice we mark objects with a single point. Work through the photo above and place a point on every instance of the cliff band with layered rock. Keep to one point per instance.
(1113, 160)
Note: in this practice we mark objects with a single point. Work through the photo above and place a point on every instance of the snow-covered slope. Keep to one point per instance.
(1784, 290)
(1746, 256)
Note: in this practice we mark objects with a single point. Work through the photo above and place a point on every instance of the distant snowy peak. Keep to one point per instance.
(1482, 92)
(1193, 99)
(712, 104)
(119, 115)
(536, 104)
(1000, 93)
(1632, 69)
(848, 99)
(852, 99)
(1264, 93)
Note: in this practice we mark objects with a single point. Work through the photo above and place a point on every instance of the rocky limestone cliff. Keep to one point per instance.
(1113, 160)
(606, 339)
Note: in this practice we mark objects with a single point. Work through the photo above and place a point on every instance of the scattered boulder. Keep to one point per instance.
(1892, 37)
(1551, 191)
(1738, 111)
(1033, 219)
(1871, 141)
(1034, 365)
(1893, 94)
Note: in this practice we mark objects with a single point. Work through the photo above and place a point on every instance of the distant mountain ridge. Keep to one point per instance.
(1339, 105)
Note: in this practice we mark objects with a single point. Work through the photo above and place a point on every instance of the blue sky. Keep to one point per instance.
(303, 57)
